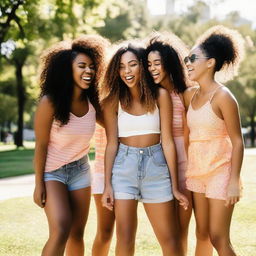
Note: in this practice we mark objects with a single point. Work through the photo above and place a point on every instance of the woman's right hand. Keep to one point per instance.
(108, 198)
(40, 194)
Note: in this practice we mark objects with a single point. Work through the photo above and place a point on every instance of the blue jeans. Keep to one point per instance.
(141, 174)
(75, 175)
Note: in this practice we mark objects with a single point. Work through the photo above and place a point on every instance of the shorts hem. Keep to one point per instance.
(155, 201)
(79, 187)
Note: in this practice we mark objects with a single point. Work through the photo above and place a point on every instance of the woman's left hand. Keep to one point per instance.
(183, 201)
(233, 192)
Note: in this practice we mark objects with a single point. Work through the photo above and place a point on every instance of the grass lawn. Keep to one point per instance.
(23, 225)
(14, 162)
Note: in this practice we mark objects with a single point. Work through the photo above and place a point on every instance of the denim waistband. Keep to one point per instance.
(145, 151)
(78, 162)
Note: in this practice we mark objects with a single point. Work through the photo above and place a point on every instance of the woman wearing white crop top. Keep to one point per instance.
(137, 167)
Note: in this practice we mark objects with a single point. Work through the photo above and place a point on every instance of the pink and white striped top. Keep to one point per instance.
(100, 146)
(178, 111)
(70, 142)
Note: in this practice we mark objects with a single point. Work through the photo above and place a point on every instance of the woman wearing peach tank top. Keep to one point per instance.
(166, 69)
(64, 125)
(215, 151)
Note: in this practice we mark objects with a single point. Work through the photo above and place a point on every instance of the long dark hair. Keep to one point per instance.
(170, 60)
(115, 90)
(56, 77)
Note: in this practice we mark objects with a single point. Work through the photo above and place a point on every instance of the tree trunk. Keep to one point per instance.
(21, 102)
(252, 133)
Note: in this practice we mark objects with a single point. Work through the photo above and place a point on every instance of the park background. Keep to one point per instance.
(27, 27)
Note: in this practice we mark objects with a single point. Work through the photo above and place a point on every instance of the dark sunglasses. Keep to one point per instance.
(193, 57)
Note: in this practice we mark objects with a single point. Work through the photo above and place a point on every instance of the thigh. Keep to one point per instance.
(126, 217)
(201, 209)
(220, 217)
(105, 217)
(168, 226)
(57, 207)
(80, 203)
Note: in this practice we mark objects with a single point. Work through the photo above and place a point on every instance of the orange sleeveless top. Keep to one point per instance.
(70, 142)
(210, 147)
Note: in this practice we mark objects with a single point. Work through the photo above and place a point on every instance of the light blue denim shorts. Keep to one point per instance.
(75, 175)
(141, 174)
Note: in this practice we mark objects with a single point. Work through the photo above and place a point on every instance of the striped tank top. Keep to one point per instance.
(70, 142)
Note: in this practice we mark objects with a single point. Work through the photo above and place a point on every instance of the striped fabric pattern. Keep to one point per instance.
(70, 142)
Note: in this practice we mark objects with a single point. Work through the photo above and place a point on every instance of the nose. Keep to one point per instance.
(127, 69)
(88, 70)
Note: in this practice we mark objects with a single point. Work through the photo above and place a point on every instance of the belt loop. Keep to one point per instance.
(150, 151)
(127, 149)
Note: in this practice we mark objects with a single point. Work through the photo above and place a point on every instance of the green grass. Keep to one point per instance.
(24, 230)
(15, 162)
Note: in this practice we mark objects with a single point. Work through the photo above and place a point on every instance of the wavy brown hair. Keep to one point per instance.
(114, 89)
(56, 76)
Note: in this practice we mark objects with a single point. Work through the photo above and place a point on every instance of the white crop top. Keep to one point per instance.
(131, 125)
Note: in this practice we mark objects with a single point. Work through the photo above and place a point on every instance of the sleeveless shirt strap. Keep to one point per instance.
(194, 95)
(214, 93)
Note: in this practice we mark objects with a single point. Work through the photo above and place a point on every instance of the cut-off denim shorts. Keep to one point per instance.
(141, 174)
(74, 175)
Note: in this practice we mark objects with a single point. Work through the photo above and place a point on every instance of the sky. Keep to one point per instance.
(246, 8)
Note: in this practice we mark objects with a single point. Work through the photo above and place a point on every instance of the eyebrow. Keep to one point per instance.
(130, 61)
(156, 60)
(82, 62)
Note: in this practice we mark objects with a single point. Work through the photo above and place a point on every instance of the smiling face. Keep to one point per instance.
(156, 68)
(197, 64)
(83, 71)
(129, 69)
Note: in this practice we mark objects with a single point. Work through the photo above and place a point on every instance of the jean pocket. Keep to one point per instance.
(159, 158)
(119, 157)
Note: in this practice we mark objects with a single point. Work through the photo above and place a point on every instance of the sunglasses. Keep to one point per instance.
(192, 58)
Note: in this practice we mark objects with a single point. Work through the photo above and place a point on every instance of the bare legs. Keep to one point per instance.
(105, 227)
(212, 226)
(67, 214)
(165, 230)
(203, 243)
(184, 219)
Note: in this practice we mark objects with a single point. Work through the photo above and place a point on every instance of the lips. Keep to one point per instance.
(129, 78)
(87, 78)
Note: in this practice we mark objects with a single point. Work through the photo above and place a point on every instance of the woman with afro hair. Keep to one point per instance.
(215, 151)
(64, 124)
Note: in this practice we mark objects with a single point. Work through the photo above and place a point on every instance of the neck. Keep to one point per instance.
(77, 94)
(167, 84)
(135, 92)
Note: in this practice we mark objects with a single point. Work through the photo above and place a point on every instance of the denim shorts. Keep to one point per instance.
(75, 175)
(141, 174)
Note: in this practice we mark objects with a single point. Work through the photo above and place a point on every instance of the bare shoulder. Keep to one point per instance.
(188, 94)
(224, 96)
(46, 105)
(163, 96)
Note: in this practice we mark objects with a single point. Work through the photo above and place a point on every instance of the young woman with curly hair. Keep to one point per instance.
(165, 66)
(216, 148)
(64, 124)
(137, 166)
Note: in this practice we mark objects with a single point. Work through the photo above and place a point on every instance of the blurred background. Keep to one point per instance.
(27, 27)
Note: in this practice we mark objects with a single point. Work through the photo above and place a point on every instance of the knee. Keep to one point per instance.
(104, 235)
(218, 241)
(61, 232)
(202, 234)
(77, 234)
(126, 238)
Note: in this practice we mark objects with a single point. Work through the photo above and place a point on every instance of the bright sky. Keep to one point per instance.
(247, 8)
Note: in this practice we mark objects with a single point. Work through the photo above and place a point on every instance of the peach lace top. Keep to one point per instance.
(210, 147)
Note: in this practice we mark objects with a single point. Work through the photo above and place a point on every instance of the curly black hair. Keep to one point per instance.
(225, 45)
(56, 76)
(171, 61)
(115, 90)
